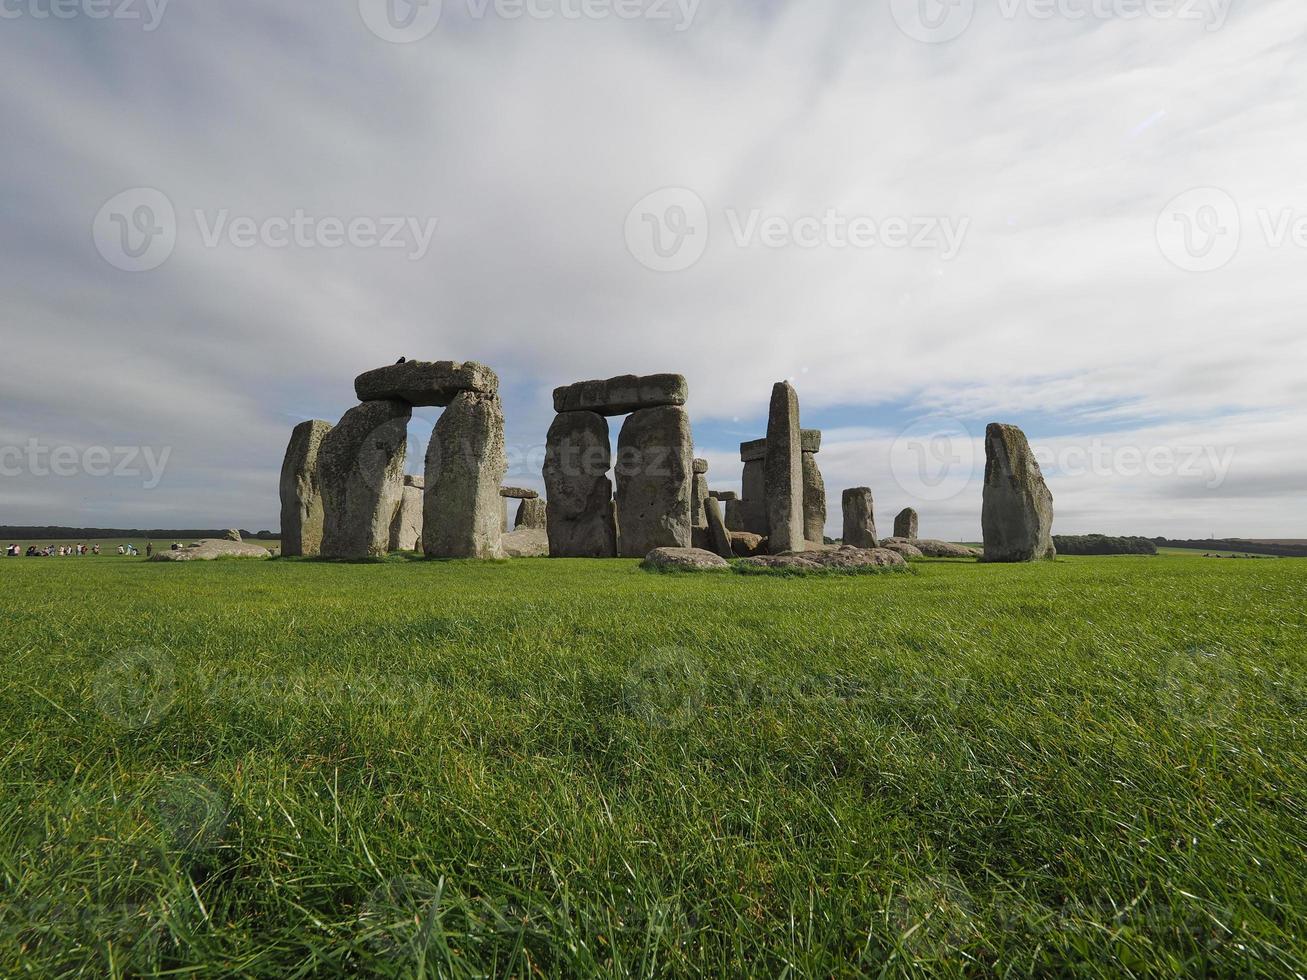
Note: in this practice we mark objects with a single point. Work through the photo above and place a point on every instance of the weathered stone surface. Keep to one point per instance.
(406, 528)
(755, 450)
(531, 514)
(416, 481)
(1017, 514)
(462, 509)
(578, 455)
(699, 518)
(693, 559)
(747, 515)
(208, 549)
(793, 562)
(944, 549)
(361, 475)
(233, 535)
(518, 493)
(723, 495)
(718, 537)
(901, 546)
(301, 497)
(753, 482)
(906, 524)
(426, 383)
(526, 542)
(699, 538)
(859, 518)
(623, 394)
(783, 472)
(747, 545)
(848, 557)
(655, 460)
(814, 500)
(700, 466)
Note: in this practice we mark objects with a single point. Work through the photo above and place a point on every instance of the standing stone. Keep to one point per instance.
(1017, 513)
(655, 481)
(906, 525)
(301, 497)
(406, 528)
(531, 514)
(361, 474)
(718, 537)
(859, 518)
(814, 500)
(783, 472)
(700, 495)
(578, 454)
(464, 467)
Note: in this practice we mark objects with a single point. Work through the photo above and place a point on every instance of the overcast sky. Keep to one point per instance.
(1084, 217)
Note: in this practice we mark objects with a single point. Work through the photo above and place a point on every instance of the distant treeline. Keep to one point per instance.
(1102, 544)
(1235, 544)
(90, 533)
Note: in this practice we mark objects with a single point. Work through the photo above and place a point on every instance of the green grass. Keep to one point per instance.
(1092, 767)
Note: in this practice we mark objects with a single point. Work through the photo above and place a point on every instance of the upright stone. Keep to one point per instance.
(1017, 513)
(814, 500)
(700, 492)
(361, 473)
(531, 513)
(783, 472)
(464, 468)
(301, 496)
(906, 525)
(578, 454)
(718, 537)
(406, 528)
(655, 481)
(859, 518)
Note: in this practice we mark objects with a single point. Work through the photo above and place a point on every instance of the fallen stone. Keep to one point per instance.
(210, 548)
(783, 471)
(906, 524)
(301, 495)
(406, 528)
(580, 520)
(794, 562)
(532, 514)
(719, 538)
(622, 395)
(859, 518)
(526, 542)
(814, 500)
(462, 509)
(1017, 513)
(901, 546)
(848, 557)
(944, 549)
(654, 469)
(518, 493)
(693, 559)
(361, 475)
(426, 383)
(747, 545)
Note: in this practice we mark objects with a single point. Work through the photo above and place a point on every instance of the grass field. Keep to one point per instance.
(1094, 767)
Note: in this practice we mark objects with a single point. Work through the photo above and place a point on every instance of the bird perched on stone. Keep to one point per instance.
(402, 360)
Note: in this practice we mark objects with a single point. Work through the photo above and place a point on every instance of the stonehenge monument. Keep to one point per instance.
(859, 518)
(906, 524)
(514, 493)
(748, 513)
(783, 472)
(367, 506)
(1017, 513)
(655, 485)
(301, 496)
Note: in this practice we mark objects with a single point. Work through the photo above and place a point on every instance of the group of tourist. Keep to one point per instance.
(64, 551)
